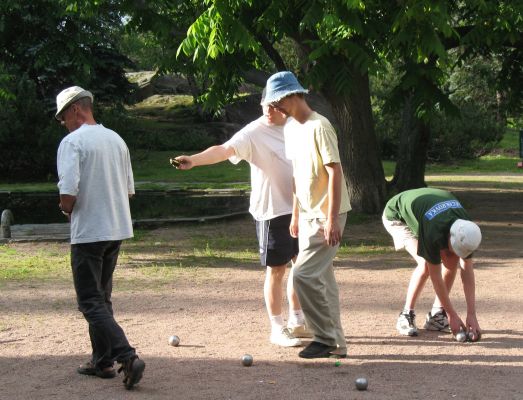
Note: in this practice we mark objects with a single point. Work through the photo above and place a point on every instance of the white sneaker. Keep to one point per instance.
(299, 331)
(406, 324)
(284, 338)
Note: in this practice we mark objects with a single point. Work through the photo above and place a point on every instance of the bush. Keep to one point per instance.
(478, 127)
(29, 136)
(470, 135)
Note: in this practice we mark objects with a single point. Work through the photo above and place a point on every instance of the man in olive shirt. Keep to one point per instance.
(435, 229)
(321, 203)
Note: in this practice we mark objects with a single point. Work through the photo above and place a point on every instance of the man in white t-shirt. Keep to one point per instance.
(261, 144)
(95, 183)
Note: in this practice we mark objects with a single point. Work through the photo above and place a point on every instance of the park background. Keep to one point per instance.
(421, 93)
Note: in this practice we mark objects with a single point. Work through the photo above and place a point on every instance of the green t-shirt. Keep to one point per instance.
(429, 213)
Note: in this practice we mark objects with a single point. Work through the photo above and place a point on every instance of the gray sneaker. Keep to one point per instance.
(437, 322)
(406, 324)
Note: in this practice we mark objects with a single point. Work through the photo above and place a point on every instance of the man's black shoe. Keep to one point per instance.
(317, 350)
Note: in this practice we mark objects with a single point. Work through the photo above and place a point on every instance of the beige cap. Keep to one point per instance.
(465, 237)
(68, 96)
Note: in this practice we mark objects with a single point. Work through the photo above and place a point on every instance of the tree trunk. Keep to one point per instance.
(358, 146)
(412, 151)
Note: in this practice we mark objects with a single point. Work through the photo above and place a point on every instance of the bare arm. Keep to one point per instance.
(441, 291)
(469, 288)
(332, 230)
(295, 213)
(66, 205)
(212, 155)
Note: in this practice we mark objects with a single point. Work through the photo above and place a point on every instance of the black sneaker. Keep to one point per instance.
(133, 371)
(317, 350)
(437, 322)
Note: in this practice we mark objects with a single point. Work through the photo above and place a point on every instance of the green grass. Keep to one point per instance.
(154, 168)
(153, 171)
(41, 264)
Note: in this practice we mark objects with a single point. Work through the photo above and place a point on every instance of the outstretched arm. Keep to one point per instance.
(469, 288)
(440, 288)
(212, 155)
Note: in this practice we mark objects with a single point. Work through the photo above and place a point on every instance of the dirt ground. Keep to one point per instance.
(219, 315)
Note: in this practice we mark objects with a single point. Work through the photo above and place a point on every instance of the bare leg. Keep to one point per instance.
(273, 289)
(294, 303)
(418, 278)
(273, 292)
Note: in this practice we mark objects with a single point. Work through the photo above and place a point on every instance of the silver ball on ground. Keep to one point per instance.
(247, 360)
(174, 340)
(461, 337)
(473, 337)
(361, 383)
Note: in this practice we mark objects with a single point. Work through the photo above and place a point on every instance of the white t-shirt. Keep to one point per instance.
(262, 145)
(95, 166)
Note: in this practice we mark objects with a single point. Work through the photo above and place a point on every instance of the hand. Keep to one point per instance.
(182, 162)
(473, 328)
(455, 322)
(332, 232)
(293, 227)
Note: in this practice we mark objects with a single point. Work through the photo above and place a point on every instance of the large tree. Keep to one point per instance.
(337, 41)
(340, 44)
(430, 39)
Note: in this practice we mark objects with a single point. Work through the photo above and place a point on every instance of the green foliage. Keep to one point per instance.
(144, 49)
(471, 132)
(28, 141)
(48, 45)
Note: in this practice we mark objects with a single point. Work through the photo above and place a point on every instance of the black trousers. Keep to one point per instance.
(93, 265)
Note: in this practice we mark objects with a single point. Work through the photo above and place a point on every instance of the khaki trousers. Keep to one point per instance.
(315, 284)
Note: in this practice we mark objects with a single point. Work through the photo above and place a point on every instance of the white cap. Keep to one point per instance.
(69, 96)
(465, 237)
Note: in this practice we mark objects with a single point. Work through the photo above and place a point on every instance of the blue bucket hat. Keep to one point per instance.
(280, 85)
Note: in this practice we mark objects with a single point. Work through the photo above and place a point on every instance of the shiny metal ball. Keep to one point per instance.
(361, 383)
(461, 337)
(174, 340)
(247, 360)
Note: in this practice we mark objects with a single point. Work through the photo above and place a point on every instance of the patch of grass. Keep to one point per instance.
(510, 140)
(29, 187)
(363, 249)
(154, 168)
(26, 265)
(485, 181)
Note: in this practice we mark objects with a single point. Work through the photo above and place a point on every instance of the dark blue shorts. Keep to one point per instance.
(277, 246)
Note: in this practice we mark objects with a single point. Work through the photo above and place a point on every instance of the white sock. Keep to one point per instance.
(436, 310)
(276, 322)
(407, 310)
(296, 317)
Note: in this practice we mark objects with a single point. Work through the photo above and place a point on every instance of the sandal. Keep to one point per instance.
(132, 370)
(89, 369)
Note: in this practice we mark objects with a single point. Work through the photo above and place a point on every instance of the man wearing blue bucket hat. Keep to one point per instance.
(321, 203)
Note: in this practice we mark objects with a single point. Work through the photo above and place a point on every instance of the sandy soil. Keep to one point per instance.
(219, 315)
